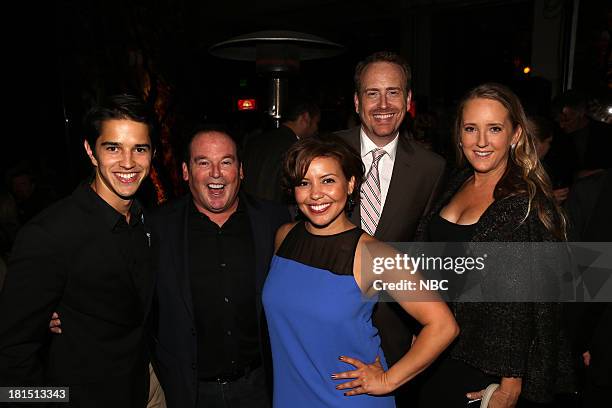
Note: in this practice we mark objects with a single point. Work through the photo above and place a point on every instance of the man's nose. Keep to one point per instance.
(382, 101)
(215, 171)
(127, 160)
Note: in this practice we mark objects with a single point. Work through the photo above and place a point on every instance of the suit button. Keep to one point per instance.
(229, 332)
(223, 265)
(226, 300)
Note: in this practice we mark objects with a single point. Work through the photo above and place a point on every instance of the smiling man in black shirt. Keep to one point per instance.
(87, 257)
(215, 246)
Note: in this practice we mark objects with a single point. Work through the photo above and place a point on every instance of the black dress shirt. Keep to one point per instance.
(221, 269)
(82, 259)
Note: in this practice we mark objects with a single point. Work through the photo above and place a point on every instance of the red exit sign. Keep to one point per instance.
(247, 104)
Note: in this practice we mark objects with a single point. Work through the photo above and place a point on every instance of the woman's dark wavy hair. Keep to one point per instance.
(524, 173)
(301, 154)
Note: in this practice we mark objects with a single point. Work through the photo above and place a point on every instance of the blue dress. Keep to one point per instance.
(316, 313)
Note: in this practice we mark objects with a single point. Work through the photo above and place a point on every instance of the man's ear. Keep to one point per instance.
(408, 100)
(306, 119)
(90, 153)
(241, 172)
(185, 172)
(356, 102)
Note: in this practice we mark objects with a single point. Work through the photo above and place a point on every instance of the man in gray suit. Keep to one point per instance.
(402, 178)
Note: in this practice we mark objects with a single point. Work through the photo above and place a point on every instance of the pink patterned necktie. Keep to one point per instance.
(370, 203)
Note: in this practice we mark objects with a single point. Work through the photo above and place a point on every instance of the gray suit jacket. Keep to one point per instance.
(415, 183)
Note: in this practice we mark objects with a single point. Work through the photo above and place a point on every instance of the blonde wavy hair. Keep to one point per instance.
(524, 174)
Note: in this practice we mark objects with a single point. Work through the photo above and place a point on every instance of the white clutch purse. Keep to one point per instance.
(486, 396)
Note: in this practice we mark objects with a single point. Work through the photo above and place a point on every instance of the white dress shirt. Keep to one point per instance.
(385, 165)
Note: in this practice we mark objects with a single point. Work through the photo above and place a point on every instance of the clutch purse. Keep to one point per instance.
(486, 396)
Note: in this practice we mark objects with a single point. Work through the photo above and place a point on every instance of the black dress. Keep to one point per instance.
(447, 381)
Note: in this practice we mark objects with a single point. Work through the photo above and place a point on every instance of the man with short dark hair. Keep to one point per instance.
(264, 153)
(215, 246)
(87, 257)
(402, 178)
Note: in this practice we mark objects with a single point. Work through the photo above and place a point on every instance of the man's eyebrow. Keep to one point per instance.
(377, 89)
(117, 144)
(229, 156)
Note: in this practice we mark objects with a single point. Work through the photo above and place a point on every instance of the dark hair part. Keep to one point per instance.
(297, 107)
(524, 173)
(383, 56)
(302, 153)
(118, 107)
(207, 128)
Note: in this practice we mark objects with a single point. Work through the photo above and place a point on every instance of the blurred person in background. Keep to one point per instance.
(581, 140)
(31, 195)
(263, 153)
(543, 131)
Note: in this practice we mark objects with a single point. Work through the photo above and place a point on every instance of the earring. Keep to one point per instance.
(350, 205)
(460, 144)
(512, 146)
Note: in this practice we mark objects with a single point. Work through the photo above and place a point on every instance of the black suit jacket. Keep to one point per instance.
(175, 352)
(415, 183)
(68, 259)
(263, 162)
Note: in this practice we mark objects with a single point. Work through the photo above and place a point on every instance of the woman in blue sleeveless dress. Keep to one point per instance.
(325, 350)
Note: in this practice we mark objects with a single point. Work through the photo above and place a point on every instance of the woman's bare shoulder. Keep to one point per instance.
(282, 232)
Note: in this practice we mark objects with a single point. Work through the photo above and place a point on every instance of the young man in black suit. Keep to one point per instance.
(87, 257)
(215, 246)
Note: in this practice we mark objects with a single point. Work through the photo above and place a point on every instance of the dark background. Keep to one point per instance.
(74, 52)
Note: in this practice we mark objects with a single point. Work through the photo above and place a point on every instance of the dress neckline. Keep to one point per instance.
(458, 225)
(326, 236)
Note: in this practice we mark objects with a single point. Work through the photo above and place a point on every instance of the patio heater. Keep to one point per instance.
(277, 55)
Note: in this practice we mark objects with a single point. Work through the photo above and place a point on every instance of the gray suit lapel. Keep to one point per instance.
(398, 188)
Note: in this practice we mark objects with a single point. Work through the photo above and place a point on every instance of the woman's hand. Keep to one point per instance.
(505, 396)
(367, 378)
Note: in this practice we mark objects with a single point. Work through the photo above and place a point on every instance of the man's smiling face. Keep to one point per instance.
(382, 101)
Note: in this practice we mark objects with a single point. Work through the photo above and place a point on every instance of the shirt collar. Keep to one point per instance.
(108, 215)
(193, 210)
(368, 145)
